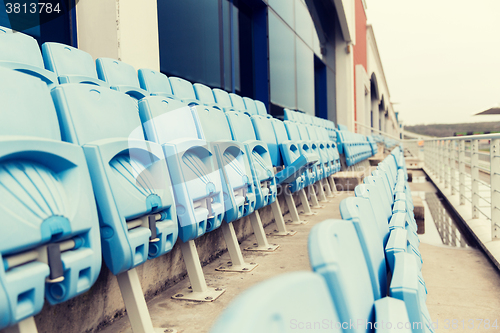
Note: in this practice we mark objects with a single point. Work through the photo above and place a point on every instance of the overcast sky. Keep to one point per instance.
(441, 58)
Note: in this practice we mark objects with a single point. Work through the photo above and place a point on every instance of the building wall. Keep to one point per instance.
(360, 58)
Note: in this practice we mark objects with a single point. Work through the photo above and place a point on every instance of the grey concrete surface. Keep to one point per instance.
(194, 317)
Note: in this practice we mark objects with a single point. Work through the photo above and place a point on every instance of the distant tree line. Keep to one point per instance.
(443, 130)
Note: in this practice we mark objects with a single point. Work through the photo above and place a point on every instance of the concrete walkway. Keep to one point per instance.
(462, 284)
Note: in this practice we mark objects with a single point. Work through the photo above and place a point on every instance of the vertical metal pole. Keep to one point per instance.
(305, 202)
(474, 165)
(279, 220)
(27, 325)
(233, 247)
(446, 155)
(258, 230)
(453, 167)
(495, 188)
(314, 198)
(461, 171)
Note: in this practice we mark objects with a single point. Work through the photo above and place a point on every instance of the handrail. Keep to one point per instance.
(378, 131)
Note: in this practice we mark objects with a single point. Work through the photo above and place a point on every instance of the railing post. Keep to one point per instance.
(495, 188)
(441, 160)
(474, 165)
(446, 154)
(453, 166)
(461, 171)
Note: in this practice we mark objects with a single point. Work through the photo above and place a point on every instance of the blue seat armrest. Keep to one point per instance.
(398, 220)
(393, 311)
(293, 171)
(82, 79)
(135, 92)
(396, 243)
(45, 75)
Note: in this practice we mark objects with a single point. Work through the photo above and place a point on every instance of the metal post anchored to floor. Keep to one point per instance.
(305, 203)
(461, 171)
(474, 170)
(293, 210)
(260, 234)
(237, 263)
(133, 297)
(333, 187)
(328, 190)
(321, 191)
(25, 326)
(199, 290)
(314, 198)
(280, 221)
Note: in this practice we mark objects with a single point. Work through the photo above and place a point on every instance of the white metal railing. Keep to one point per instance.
(469, 166)
(370, 130)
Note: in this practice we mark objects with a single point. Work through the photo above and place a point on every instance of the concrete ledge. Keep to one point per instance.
(348, 180)
(419, 213)
(480, 229)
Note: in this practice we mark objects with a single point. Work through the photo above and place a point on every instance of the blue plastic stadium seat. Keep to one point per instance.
(155, 83)
(261, 108)
(237, 102)
(287, 303)
(336, 254)
(304, 135)
(47, 201)
(343, 128)
(184, 91)
(223, 100)
(120, 76)
(204, 94)
(250, 106)
(20, 52)
(242, 131)
(232, 161)
(325, 156)
(193, 167)
(265, 130)
(304, 149)
(130, 179)
(70, 64)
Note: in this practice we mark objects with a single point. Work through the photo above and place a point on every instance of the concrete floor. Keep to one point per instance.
(462, 284)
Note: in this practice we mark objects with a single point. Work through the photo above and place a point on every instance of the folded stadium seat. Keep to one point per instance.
(155, 83)
(373, 144)
(204, 94)
(331, 147)
(294, 155)
(70, 64)
(120, 76)
(236, 175)
(184, 91)
(21, 53)
(264, 180)
(237, 102)
(282, 304)
(131, 183)
(343, 128)
(289, 114)
(195, 179)
(49, 244)
(223, 100)
(336, 254)
(304, 135)
(250, 106)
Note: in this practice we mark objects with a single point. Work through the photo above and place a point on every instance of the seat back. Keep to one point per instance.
(241, 126)
(222, 98)
(343, 128)
(264, 131)
(250, 106)
(91, 113)
(237, 102)
(117, 73)
(66, 60)
(182, 89)
(261, 108)
(214, 123)
(304, 133)
(360, 212)
(20, 48)
(292, 130)
(336, 254)
(280, 305)
(154, 82)
(204, 94)
(374, 196)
